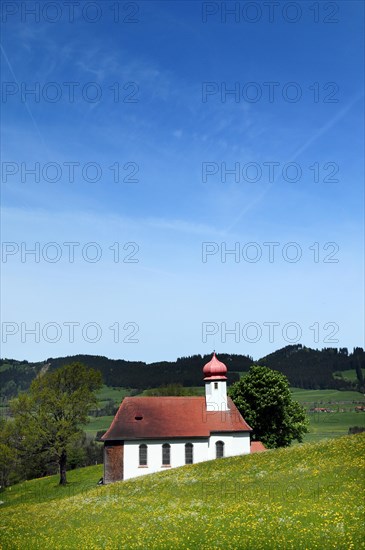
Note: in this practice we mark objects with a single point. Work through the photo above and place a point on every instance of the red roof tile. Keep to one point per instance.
(169, 417)
(257, 447)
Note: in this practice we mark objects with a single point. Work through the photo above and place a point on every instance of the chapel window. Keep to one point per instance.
(219, 449)
(166, 451)
(143, 455)
(189, 453)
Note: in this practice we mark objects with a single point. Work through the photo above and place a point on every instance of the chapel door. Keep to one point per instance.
(113, 461)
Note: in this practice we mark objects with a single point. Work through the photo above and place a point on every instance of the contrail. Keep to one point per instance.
(298, 152)
(26, 104)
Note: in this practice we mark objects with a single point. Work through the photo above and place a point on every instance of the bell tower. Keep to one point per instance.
(215, 385)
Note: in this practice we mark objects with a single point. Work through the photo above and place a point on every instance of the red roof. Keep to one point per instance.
(257, 447)
(170, 417)
(215, 370)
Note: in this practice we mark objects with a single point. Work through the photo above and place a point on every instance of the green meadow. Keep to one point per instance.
(348, 374)
(336, 423)
(327, 396)
(97, 423)
(117, 394)
(308, 496)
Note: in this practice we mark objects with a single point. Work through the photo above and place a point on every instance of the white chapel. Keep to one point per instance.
(152, 434)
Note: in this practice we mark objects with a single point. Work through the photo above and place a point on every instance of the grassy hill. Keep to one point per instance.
(306, 497)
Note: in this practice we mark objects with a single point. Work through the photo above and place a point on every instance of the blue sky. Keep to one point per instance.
(148, 95)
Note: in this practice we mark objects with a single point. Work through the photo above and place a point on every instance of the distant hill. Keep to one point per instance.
(16, 376)
(313, 369)
(305, 368)
(140, 375)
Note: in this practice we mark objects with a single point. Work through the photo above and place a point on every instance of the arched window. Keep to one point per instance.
(219, 449)
(166, 448)
(143, 455)
(189, 453)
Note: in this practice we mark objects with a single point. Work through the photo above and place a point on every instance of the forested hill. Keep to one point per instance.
(304, 367)
(185, 370)
(17, 375)
(314, 369)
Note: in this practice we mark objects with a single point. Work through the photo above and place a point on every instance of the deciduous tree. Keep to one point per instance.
(49, 418)
(263, 398)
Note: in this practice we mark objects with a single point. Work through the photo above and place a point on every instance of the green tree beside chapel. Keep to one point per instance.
(263, 398)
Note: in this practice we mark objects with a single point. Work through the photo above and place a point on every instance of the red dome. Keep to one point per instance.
(215, 370)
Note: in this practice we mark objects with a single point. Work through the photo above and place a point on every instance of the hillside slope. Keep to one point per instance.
(305, 497)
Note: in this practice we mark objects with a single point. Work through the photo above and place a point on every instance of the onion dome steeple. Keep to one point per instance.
(215, 385)
(215, 370)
